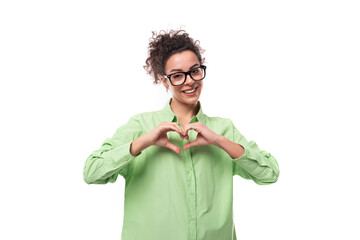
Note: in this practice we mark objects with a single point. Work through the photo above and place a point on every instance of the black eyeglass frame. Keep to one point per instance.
(187, 73)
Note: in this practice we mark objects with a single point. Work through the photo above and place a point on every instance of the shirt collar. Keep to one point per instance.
(167, 115)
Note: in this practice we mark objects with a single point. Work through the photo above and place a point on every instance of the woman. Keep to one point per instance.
(178, 163)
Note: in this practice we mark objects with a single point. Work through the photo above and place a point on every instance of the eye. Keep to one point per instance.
(196, 72)
(177, 75)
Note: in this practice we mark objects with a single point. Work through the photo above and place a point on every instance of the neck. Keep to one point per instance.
(184, 111)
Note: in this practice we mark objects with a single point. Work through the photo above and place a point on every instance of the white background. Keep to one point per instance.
(285, 72)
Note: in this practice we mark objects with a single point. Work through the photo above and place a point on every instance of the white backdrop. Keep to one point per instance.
(284, 71)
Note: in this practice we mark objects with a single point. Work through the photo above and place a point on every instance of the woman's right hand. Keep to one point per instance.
(158, 136)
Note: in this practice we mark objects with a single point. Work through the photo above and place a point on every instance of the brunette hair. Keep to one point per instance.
(165, 44)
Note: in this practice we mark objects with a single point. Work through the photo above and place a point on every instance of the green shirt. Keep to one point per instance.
(174, 196)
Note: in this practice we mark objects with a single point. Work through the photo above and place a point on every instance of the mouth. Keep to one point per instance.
(190, 92)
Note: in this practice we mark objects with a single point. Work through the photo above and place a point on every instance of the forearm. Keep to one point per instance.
(105, 163)
(233, 149)
(138, 145)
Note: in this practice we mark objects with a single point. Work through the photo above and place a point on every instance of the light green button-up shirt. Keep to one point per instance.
(170, 196)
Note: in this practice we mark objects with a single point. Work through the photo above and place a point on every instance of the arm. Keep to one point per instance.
(234, 150)
(249, 161)
(113, 157)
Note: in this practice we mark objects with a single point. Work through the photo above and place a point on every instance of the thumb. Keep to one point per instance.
(190, 144)
(173, 147)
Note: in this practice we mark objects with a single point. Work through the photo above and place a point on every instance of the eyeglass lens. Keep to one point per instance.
(179, 78)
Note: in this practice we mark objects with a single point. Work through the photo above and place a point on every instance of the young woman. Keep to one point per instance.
(178, 163)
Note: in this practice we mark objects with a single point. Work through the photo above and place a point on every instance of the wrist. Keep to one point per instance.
(146, 142)
(234, 150)
(219, 141)
(138, 145)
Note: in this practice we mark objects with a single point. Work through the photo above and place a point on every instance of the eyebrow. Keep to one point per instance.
(180, 70)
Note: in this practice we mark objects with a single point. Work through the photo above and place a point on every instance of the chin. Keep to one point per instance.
(190, 100)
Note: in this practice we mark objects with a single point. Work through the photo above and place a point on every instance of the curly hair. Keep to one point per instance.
(165, 44)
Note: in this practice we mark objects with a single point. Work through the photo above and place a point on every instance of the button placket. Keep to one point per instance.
(190, 187)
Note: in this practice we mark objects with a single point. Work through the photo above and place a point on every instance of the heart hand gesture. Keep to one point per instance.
(158, 136)
(205, 135)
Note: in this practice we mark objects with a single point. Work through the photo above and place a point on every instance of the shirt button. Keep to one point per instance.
(267, 155)
(189, 169)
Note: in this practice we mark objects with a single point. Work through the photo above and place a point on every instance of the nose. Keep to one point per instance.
(187, 77)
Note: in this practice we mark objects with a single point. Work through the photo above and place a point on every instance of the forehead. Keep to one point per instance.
(182, 60)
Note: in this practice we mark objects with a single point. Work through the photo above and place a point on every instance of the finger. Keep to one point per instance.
(193, 126)
(174, 127)
(190, 144)
(181, 131)
(173, 147)
(168, 128)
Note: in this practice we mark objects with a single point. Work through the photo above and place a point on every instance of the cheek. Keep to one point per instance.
(177, 90)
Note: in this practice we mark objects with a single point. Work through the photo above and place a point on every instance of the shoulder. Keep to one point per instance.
(140, 116)
(145, 116)
(218, 121)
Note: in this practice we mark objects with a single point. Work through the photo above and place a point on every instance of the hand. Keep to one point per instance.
(158, 136)
(205, 135)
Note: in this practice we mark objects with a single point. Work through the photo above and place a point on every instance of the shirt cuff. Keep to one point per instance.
(251, 155)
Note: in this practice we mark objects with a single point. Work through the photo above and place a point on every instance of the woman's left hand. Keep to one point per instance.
(205, 135)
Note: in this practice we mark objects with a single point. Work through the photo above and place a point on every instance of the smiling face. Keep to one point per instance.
(182, 62)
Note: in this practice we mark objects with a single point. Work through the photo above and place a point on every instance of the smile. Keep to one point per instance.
(190, 92)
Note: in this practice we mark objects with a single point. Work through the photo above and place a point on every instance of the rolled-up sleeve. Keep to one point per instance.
(113, 157)
(256, 164)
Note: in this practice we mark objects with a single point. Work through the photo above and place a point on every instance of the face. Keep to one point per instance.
(183, 62)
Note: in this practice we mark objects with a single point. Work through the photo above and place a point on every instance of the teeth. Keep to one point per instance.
(190, 91)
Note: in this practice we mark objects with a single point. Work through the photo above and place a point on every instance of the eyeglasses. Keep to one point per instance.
(179, 78)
